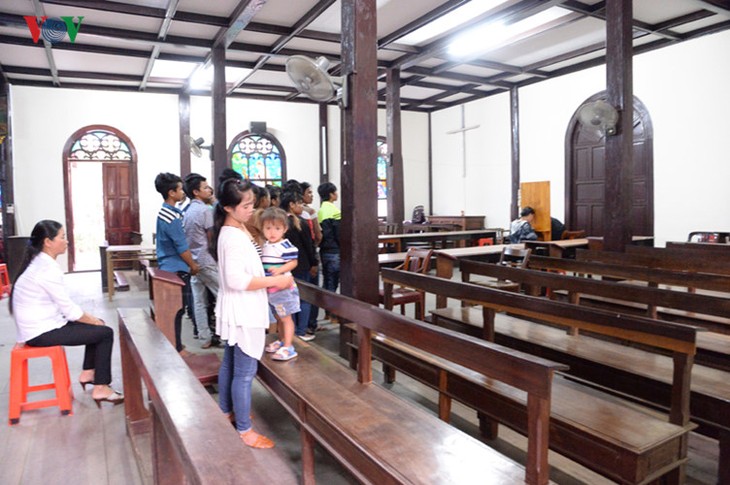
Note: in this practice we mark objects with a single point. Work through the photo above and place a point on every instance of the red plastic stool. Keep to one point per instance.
(4, 280)
(485, 241)
(19, 387)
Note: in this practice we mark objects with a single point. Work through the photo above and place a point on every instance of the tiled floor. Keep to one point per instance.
(91, 447)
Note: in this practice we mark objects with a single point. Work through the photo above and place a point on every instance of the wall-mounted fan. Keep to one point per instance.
(196, 145)
(311, 78)
(598, 117)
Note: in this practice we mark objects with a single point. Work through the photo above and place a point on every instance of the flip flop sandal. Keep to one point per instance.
(273, 346)
(255, 440)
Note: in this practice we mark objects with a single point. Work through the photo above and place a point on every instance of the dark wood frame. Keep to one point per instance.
(573, 127)
(67, 189)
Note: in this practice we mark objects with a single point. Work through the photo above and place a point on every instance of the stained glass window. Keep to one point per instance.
(259, 157)
(382, 168)
(99, 144)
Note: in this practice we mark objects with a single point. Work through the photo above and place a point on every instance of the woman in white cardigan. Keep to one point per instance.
(242, 314)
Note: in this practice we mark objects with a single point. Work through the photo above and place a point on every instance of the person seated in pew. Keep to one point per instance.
(521, 229)
(557, 229)
(45, 316)
(242, 315)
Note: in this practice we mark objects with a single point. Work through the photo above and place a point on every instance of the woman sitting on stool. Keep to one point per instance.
(45, 316)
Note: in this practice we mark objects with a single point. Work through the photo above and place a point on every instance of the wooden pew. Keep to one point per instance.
(178, 433)
(165, 301)
(382, 439)
(719, 250)
(677, 339)
(652, 276)
(710, 312)
(658, 258)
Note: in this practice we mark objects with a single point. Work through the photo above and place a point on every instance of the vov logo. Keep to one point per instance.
(53, 29)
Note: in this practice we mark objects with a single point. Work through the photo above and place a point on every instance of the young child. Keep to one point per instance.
(280, 257)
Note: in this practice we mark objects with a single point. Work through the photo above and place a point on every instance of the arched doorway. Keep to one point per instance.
(100, 190)
(585, 175)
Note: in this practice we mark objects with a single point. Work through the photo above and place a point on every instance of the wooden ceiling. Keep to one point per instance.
(122, 45)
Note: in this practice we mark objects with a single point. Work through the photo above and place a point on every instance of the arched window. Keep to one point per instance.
(100, 144)
(382, 176)
(258, 157)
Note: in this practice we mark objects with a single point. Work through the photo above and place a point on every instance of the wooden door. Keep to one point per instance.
(118, 204)
(586, 176)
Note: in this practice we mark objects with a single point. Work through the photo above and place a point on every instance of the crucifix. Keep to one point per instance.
(463, 131)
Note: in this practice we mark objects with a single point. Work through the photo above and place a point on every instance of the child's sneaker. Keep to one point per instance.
(285, 353)
(273, 346)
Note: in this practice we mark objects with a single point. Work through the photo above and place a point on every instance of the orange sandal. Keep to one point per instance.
(254, 440)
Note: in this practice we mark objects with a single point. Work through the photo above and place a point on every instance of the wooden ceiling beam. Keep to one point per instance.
(301, 24)
(514, 12)
(598, 11)
(421, 21)
(161, 35)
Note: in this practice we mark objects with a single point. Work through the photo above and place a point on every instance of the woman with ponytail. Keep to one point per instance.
(45, 316)
(242, 314)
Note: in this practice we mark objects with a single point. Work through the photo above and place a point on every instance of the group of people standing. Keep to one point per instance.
(246, 249)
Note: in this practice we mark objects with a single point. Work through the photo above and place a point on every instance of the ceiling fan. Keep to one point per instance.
(311, 78)
(599, 118)
(196, 145)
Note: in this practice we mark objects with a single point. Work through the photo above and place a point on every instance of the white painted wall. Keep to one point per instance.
(43, 120)
(483, 187)
(684, 87)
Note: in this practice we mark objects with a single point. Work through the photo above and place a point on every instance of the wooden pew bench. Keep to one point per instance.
(178, 432)
(650, 377)
(710, 312)
(382, 438)
(590, 427)
(660, 258)
(675, 338)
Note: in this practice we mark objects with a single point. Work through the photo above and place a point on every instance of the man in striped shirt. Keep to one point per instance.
(173, 253)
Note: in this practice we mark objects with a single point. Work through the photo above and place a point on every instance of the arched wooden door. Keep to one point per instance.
(585, 176)
(110, 161)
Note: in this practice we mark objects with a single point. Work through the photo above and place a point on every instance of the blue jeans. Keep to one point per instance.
(234, 385)
(330, 271)
(301, 319)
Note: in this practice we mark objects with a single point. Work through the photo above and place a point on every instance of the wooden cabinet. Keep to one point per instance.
(460, 223)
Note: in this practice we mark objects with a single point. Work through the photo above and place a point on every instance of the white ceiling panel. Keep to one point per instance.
(257, 38)
(102, 18)
(85, 61)
(197, 31)
(68, 81)
(315, 46)
(706, 22)
(218, 8)
(24, 56)
(657, 11)
(418, 92)
(285, 12)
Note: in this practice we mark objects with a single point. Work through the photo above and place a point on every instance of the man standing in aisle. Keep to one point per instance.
(198, 220)
(173, 253)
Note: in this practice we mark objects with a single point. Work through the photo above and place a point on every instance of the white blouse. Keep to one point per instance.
(242, 315)
(40, 300)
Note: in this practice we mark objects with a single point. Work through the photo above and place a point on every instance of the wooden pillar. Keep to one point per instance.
(324, 169)
(220, 146)
(514, 104)
(430, 168)
(395, 151)
(183, 108)
(359, 233)
(619, 147)
(359, 230)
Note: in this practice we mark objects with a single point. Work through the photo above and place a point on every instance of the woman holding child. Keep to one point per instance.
(242, 306)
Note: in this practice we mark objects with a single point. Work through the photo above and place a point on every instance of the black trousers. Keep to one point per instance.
(187, 299)
(98, 340)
